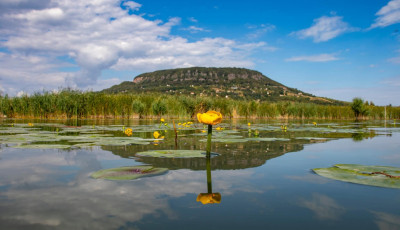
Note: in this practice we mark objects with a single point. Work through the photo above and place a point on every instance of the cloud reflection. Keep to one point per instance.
(386, 221)
(324, 207)
(52, 189)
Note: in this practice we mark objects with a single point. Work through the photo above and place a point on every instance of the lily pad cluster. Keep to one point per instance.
(24, 136)
(381, 176)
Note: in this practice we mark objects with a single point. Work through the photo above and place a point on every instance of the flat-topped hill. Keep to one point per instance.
(236, 83)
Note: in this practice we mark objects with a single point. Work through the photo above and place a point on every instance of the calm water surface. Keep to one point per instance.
(264, 185)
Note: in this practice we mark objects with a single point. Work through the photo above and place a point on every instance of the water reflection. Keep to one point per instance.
(51, 189)
(232, 156)
(386, 221)
(324, 207)
(209, 197)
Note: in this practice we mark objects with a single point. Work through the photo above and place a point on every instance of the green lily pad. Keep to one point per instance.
(267, 139)
(172, 153)
(312, 138)
(381, 176)
(128, 173)
(227, 140)
(42, 146)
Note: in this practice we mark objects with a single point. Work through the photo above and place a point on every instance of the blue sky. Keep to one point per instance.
(337, 49)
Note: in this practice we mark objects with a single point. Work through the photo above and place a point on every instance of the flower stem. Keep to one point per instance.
(208, 159)
(209, 140)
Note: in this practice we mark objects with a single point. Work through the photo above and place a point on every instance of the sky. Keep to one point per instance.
(330, 48)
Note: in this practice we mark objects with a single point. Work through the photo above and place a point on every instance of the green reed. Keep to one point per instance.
(85, 104)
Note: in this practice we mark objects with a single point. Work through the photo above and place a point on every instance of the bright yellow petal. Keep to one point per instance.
(199, 117)
(156, 134)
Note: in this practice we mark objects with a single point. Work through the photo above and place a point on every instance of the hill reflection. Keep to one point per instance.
(232, 156)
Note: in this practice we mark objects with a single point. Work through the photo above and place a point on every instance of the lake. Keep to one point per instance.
(262, 172)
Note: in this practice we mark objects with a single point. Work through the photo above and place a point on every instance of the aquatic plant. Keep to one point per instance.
(128, 173)
(209, 198)
(210, 118)
(70, 103)
(128, 132)
(381, 176)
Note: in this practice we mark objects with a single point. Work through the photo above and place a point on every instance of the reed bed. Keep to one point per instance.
(78, 104)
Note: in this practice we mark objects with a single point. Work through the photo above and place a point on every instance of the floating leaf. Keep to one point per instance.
(42, 146)
(312, 138)
(267, 139)
(227, 140)
(381, 176)
(128, 173)
(173, 153)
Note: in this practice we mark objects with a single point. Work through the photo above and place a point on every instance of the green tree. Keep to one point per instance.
(138, 107)
(359, 107)
(159, 107)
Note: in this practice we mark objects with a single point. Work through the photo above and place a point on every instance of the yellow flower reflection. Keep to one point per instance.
(210, 118)
(209, 198)
(155, 142)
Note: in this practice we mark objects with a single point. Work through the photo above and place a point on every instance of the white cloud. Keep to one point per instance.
(395, 60)
(384, 93)
(192, 19)
(393, 81)
(195, 29)
(314, 58)
(259, 30)
(98, 35)
(388, 15)
(132, 5)
(40, 16)
(325, 28)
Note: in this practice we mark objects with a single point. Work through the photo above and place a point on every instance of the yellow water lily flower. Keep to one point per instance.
(203, 131)
(210, 117)
(156, 134)
(162, 120)
(249, 124)
(315, 123)
(128, 131)
(209, 198)
(219, 128)
(30, 124)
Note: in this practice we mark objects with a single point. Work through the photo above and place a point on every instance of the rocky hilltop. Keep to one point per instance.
(235, 83)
